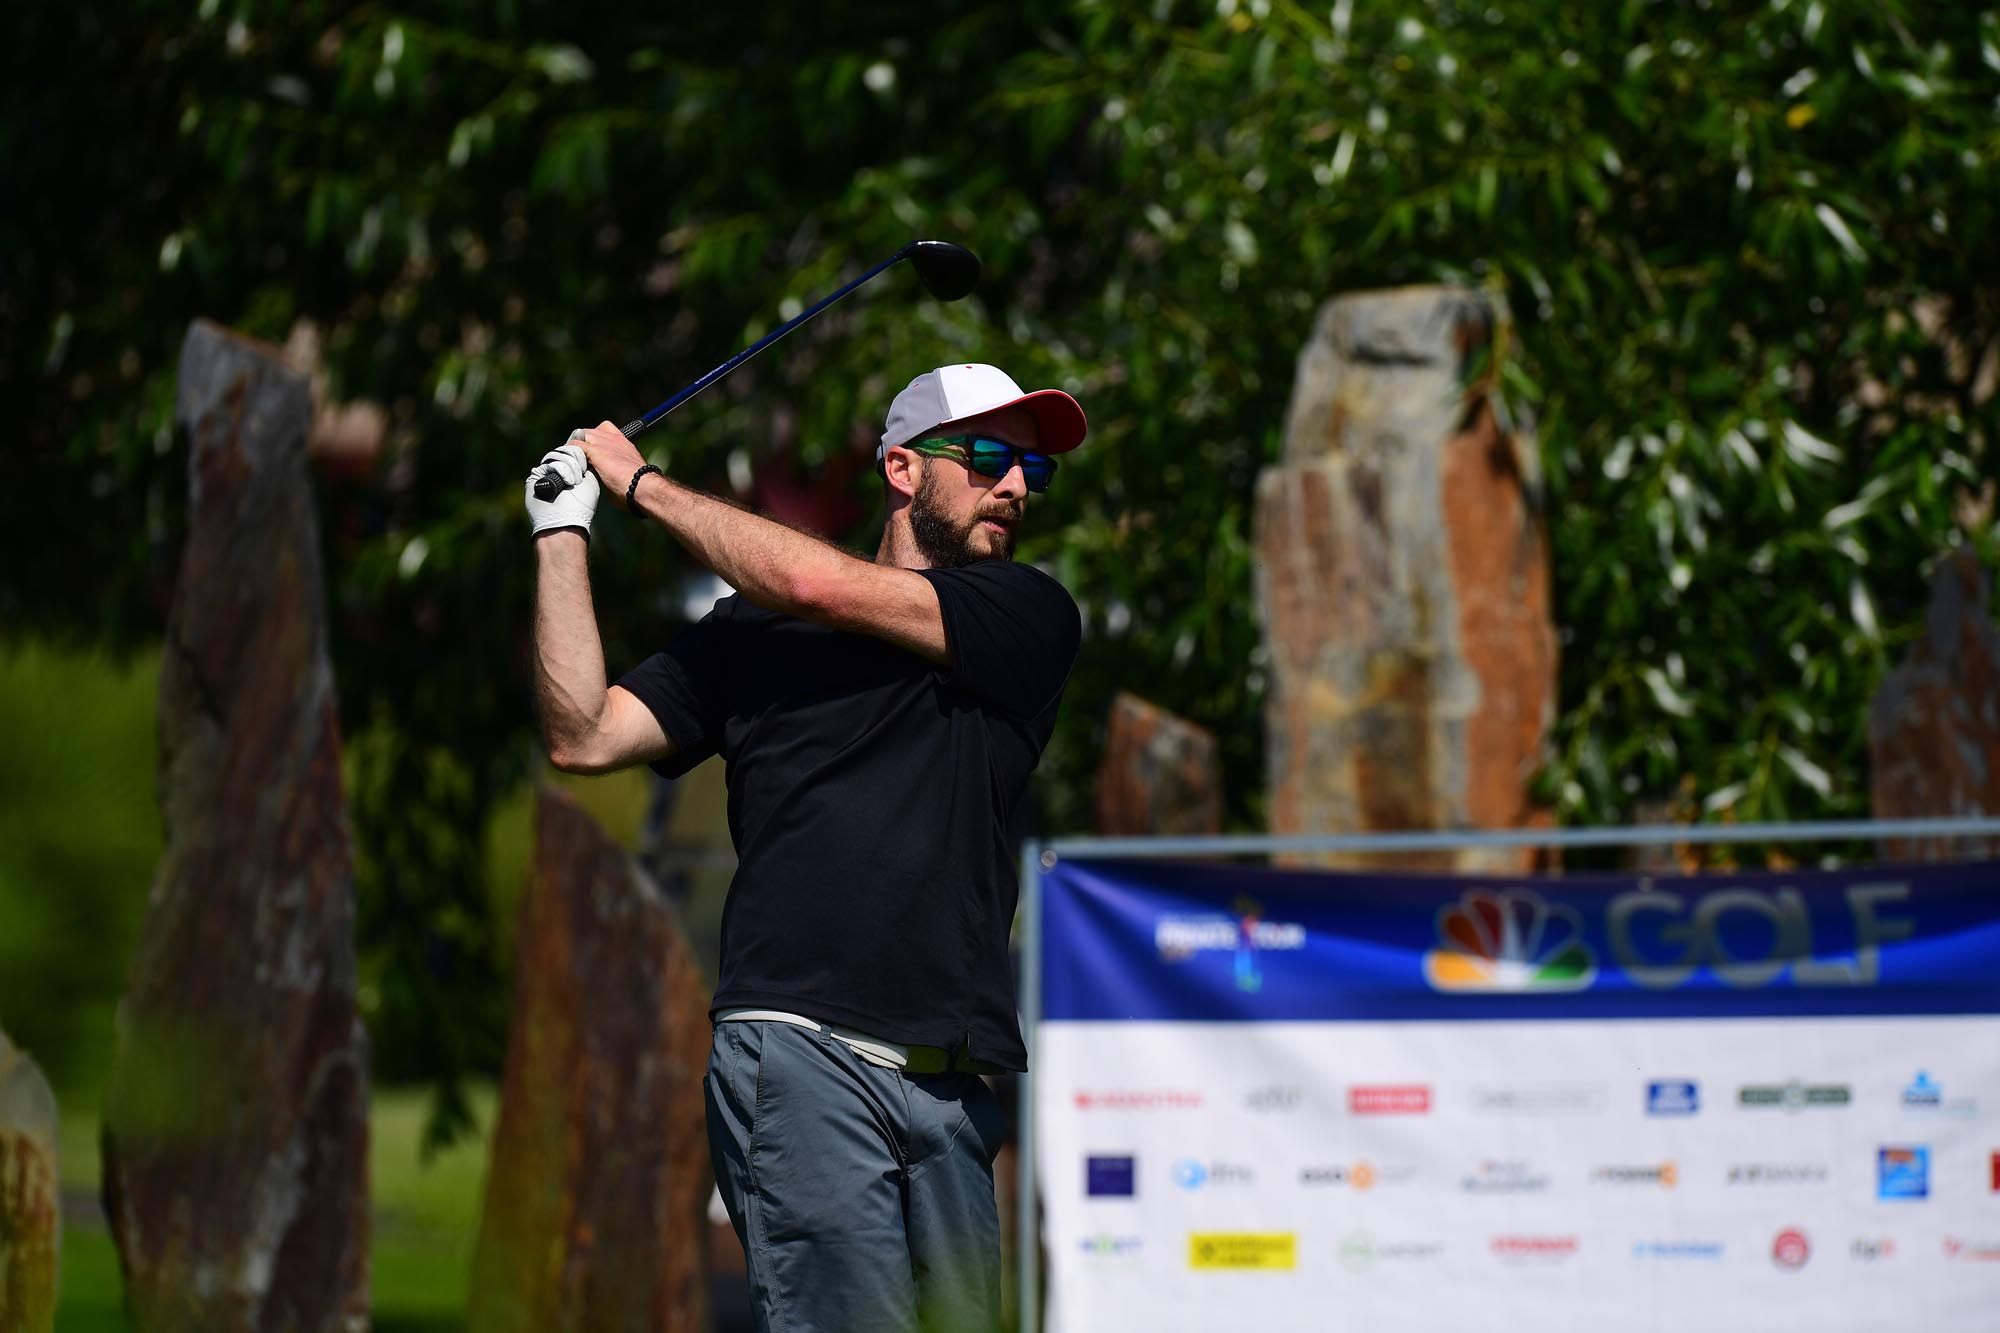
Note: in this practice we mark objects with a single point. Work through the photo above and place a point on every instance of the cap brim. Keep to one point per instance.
(1059, 421)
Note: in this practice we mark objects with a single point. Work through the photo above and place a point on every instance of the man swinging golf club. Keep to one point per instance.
(879, 721)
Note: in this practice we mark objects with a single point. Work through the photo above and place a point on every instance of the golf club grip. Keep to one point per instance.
(548, 488)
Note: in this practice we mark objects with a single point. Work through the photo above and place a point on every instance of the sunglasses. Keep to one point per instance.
(991, 458)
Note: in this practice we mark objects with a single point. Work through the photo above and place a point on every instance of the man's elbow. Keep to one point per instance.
(822, 597)
(582, 758)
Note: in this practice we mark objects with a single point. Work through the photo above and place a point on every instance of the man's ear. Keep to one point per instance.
(900, 470)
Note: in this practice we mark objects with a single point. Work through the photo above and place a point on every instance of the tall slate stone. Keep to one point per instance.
(594, 1211)
(1934, 727)
(1403, 581)
(1160, 773)
(235, 1123)
(30, 1200)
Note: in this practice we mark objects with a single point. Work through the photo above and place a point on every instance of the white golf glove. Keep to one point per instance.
(576, 503)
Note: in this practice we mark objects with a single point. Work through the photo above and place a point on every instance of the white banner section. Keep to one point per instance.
(1819, 1173)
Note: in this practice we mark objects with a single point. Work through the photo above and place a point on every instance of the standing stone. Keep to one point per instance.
(1160, 773)
(1934, 728)
(594, 1213)
(236, 1119)
(30, 1213)
(1403, 580)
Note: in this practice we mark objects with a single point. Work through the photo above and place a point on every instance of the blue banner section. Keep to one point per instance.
(1143, 940)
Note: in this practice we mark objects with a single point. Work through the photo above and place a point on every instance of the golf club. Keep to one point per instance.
(947, 271)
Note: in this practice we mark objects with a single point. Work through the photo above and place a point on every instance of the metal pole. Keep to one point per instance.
(1449, 839)
(1027, 1221)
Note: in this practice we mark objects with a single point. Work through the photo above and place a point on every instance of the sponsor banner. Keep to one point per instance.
(1145, 940)
(1292, 1102)
(1791, 1250)
(1110, 1177)
(1958, 1249)
(1794, 1096)
(1226, 1249)
(1679, 1251)
(1903, 1173)
(1361, 1251)
(1401, 1099)
(1673, 1096)
(1537, 1099)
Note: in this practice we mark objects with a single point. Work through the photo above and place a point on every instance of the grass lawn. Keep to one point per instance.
(426, 1218)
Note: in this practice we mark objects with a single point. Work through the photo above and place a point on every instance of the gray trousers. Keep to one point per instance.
(863, 1196)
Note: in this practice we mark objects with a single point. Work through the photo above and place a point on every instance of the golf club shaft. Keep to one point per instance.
(548, 487)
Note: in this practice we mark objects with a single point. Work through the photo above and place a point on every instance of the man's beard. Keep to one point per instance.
(948, 545)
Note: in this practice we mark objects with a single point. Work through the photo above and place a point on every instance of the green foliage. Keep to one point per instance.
(79, 837)
(1747, 251)
(1744, 246)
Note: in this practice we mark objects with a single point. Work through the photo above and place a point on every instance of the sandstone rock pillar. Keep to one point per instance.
(1160, 773)
(1934, 728)
(235, 1124)
(30, 1211)
(1403, 582)
(594, 1212)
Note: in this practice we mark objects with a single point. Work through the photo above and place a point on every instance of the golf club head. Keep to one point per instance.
(947, 271)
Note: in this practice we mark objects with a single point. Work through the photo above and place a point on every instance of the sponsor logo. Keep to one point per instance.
(1664, 1175)
(1538, 1099)
(1505, 1177)
(1246, 934)
(1678, 1251)
(1190, 1174)
(1104, 1248)
(1512, 940)
(1661, 939)
(1359, 1176)
(1110, 1177)
(1360, 1251)
(1673, 1096)
(1925, 1096)
(1777, 1173)
(1793, 1096)
(1790, 1249)
(1534, 1249)
(1139, 1099)
(1872, 1249)
(1275, 1098)
(1902, 1173)
(1270, 1250)
(1957, 1250)
(1389, 1099)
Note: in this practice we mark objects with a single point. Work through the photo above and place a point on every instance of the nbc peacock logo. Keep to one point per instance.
(1512, 940)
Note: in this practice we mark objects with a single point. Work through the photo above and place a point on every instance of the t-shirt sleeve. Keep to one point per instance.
(684, 686)
(1011, 630)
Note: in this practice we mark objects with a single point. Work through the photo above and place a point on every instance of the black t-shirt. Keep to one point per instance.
(870, 794)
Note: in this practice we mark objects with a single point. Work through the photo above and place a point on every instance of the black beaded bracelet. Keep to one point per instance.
(632, 486)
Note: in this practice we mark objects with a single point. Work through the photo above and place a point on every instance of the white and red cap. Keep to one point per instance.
(951, 394)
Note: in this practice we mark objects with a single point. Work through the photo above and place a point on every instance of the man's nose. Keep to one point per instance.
(1014, 485)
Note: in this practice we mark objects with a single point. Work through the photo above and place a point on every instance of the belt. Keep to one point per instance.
(879, 1051)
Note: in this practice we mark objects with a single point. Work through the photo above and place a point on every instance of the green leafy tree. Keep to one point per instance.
(1744, 246)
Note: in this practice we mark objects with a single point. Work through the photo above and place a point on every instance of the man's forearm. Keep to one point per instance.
(569, 656)
(778, 568)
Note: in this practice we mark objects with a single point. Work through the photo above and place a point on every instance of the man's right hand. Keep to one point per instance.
(574, 505)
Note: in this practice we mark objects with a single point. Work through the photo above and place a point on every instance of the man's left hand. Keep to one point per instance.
(612, 457)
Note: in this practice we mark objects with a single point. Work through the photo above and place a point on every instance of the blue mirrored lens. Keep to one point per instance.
(993, 458)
